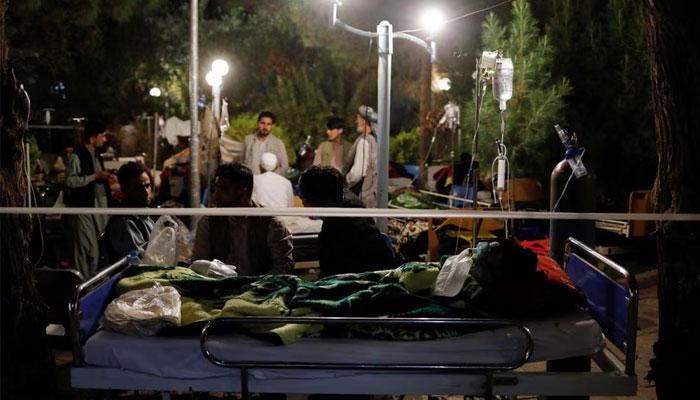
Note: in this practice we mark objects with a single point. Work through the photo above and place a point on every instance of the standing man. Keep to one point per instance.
(255, 245)
(335, 150)
(261, 142)
(269, 189)
(360, 167)
(87, 185)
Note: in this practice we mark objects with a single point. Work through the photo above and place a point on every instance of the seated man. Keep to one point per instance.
(255, 245)
(269, 188)
(125, 233)
(346, 244)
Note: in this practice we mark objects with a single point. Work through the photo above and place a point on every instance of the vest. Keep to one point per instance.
(327, 152)
(366, 188)
(85, 196)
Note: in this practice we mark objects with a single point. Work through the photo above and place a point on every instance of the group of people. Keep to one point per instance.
(343, 175)
(356, 161)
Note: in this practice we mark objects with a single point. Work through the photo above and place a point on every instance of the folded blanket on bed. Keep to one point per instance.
(401, 292)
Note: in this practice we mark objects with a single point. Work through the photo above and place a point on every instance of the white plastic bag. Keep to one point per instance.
(452, 275)
(184, 241)
(213, 269)
(144, 311)
(162, 245)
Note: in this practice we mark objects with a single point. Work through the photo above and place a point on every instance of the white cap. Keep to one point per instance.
(268, 161)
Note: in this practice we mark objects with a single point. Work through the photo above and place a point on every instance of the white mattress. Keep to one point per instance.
(571, 335)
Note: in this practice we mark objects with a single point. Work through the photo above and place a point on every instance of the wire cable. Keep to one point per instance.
(583, 151)
(427, 155)
(460, 17)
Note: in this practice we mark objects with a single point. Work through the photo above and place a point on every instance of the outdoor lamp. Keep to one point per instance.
(213, 78)
(433, 20)
(220, 67)
(444, 84)
(155, 92)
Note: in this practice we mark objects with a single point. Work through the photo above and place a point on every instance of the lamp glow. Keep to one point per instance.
(433, 20)
(220, 67)
(213, 78)
(444, 84)
(155, 92)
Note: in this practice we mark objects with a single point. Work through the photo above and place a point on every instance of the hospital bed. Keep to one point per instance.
(482, 363)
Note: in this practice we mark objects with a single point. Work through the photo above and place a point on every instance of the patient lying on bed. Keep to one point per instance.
(401, 292)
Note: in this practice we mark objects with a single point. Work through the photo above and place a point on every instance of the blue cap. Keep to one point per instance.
(133, 254)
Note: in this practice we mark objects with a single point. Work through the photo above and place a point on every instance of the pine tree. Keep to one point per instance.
(601, 48)
(538, 100)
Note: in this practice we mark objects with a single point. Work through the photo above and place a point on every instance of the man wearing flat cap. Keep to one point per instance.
(360, 167)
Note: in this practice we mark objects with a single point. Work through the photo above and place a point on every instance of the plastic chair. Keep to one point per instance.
(57, 288)
(485, 226)
(462, 191)
(640, 202)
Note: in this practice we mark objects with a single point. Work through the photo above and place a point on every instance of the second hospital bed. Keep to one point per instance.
(481, 363)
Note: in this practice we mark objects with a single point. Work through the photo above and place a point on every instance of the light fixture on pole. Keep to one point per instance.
(444, 84)
(433, 20)
(385, 48)
(218, 67)
(214, 80)
(154, 92)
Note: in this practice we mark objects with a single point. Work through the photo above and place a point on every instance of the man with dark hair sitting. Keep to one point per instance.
(125, 233)
(347, 244)
(254, 245)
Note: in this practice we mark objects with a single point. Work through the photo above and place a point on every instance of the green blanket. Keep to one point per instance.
(402, 292)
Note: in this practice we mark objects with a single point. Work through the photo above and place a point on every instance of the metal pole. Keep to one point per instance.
(148, 131)
(155, 142)
(216, 92)
(385, 47)
(194, 117)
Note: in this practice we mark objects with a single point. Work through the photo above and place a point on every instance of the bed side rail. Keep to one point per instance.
(612, 301)
(89, 302)
(407, 322)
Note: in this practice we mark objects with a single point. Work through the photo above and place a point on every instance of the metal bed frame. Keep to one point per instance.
(612, 301)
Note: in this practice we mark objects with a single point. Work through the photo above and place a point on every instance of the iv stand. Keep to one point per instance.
(474, 169)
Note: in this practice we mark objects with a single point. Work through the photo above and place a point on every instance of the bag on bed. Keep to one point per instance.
(143, 311)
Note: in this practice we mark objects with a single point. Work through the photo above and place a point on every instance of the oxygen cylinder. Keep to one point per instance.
(579, 196)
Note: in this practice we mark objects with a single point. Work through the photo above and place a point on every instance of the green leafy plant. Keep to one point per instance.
(403, 147)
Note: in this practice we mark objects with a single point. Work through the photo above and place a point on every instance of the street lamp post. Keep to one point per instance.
(154, 92)
(219, 67)
(385, 48)
(214, 78)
